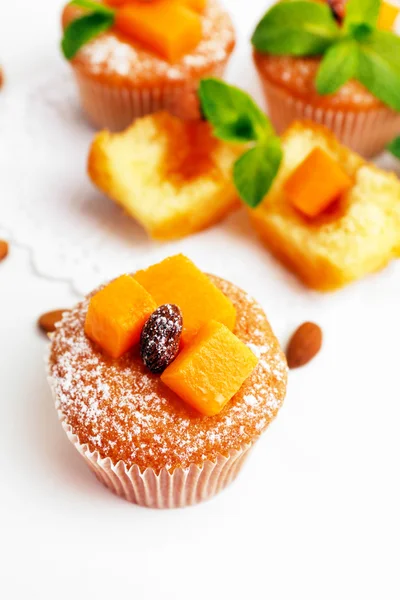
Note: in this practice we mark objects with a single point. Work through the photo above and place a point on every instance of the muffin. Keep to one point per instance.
(137, 435)
(330, 217)
(355, 115)
(181, 170)
(121, 78)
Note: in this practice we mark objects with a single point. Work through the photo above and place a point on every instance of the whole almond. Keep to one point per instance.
(3, 250)
(47, 322)
(305, 343)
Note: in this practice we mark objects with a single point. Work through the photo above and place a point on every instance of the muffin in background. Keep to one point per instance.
(358, 117)
(120, 78)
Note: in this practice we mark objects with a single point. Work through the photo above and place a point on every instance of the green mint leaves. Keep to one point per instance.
(300, 28)
(362, 11)
(236, 118)
(80, 31)
(339, 64)
(358, 50)
(394, 147)
(254, 172)
(233, 114)
(379, 68)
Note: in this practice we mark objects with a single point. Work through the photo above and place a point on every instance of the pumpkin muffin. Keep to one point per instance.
(138, 436)
(120, 77)
(355, 115)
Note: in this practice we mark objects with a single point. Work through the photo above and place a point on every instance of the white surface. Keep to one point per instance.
(315, 513)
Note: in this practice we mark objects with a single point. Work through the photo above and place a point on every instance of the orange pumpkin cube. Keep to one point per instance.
(197, 5)
(387, 16)
(316, 183)
(168, 28)
(211, 370)
(176, 280)
(116, 315)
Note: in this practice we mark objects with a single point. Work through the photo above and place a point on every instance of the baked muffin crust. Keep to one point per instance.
(118, 60)
(124, 412)
(296, 75)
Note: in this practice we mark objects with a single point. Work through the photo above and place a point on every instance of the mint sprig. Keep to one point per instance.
(235, 117)
(358, 50)
(362, 11)
(340, 64)
(83, 29)
(299, 28)
(394, 147)
(254, 172)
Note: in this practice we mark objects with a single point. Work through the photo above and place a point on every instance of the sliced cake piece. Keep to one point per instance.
(356, 235)
(172, 176)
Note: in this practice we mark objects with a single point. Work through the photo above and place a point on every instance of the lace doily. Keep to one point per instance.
(72, 231)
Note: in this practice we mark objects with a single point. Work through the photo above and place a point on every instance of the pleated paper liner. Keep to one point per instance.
(115, 108)
(176, 489)
(366, 132)
(165, 489)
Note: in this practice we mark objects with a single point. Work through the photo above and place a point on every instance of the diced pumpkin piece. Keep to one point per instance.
(211, 370)
(168, 28)
(118, 2)
(197, 5)
(116, 315)
(387, 16)
(176, 280)
(316, 183)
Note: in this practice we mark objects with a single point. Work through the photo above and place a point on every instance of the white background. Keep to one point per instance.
(314, 514)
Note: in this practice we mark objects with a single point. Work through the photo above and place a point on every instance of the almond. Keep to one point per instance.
(47, 322)
(3, 250)
(305, 343)
(1, 78)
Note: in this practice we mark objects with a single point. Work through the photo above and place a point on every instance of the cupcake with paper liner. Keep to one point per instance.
(135, 57)
(332, 64)
(165, 380)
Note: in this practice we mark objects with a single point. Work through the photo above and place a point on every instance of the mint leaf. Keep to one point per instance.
(394, 147)
(255, 171)
(360, 31)
(362, 11)
(379, 67)
(297, 28)
(93, 6)
(233, 114)
(339, 65)
(82, 30)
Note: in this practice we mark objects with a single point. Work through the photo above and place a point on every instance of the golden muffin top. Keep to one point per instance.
(115, 59)
(118, 408)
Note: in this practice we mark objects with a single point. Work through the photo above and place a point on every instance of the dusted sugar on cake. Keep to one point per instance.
(115, 56)
(120, 410)
(120, 79)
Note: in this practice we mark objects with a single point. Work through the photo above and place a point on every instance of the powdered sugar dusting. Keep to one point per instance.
(124, 412)
(111, 55)
(298, 75)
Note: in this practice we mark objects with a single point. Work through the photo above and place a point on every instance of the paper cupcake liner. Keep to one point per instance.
(114, 107)
(366, 132)
(177, 489)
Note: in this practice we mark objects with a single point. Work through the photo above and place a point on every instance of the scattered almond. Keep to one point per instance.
(1, 78)
(305, 343)
(3, 250)
(48, 321)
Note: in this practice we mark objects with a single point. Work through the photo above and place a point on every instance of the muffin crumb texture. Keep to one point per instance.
(125, 412)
